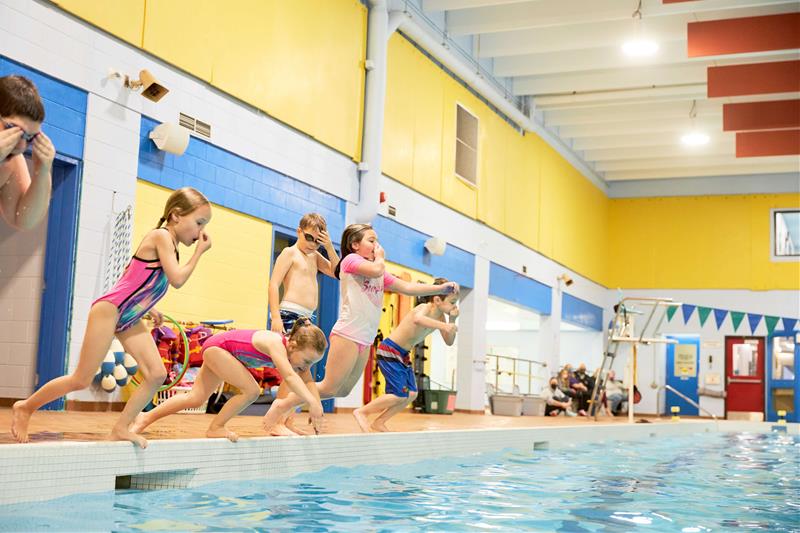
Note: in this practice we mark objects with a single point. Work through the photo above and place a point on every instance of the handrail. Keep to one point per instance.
(513, 372)
(692, 402)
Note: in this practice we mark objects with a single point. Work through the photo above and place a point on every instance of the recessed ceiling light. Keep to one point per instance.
(640, 47)
(695, 138)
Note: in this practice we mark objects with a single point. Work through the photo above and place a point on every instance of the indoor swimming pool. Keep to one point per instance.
(693, 483)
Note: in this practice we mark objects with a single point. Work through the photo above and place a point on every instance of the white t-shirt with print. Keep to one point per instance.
(361, 301)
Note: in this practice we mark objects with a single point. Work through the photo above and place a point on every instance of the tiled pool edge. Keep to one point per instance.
(44, 471)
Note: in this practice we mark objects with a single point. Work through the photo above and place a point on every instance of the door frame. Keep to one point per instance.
(770, 414)
(763, 367)
(55, 318)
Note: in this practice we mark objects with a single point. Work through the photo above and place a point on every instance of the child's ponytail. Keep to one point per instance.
(351, 235)
(305, 334)
(182, 202)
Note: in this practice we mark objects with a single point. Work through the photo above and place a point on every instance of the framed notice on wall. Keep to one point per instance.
(685, 360)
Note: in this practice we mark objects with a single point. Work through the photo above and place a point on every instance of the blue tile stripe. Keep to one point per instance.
(64, 105)
(519, 289)
(406, 246)
(581, 313)
(237, 183)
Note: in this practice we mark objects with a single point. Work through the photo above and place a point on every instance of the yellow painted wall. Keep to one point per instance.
(301, 61)
(231, 279)
(698, 242)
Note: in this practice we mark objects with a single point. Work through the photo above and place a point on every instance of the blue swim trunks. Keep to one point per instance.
(395, 365)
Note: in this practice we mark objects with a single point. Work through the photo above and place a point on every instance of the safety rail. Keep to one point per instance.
(516, 362)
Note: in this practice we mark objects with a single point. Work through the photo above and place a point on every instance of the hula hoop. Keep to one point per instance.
(185, 358)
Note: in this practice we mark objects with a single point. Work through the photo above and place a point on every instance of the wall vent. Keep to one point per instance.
(192, 124)
(392, 211)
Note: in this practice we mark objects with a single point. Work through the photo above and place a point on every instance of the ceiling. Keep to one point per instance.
(624, 117)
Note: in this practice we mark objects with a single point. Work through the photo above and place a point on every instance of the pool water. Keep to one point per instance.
(699, 483)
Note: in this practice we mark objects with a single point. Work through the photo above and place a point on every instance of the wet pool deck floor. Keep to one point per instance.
(52, 426)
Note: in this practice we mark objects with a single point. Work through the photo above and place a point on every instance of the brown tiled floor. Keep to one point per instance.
(48, 426)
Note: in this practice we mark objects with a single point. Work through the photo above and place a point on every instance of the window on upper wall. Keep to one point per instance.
(785, 235)
(466, 145)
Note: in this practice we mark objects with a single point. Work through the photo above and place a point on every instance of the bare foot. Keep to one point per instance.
(280, 430)
(290, 425)
(380, 427)
(216, 433)
(140, 423)
(126, 434)
(19, 421)
(363, 421)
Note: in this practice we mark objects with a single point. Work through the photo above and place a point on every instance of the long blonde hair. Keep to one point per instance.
(182, 202)
(306, 335)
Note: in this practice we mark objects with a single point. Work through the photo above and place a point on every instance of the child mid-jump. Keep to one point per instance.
(363, 276)
(296, 269)
(154, 267)
(434, 312)
(225, 356)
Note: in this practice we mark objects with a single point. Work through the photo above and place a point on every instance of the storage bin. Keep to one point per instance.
(506, 404)
(442, 402)
(532, 405)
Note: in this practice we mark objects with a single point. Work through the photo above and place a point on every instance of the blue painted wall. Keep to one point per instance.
(406, 246)
(520, 289)
(65, 108)
(237, 183)
(581, 313)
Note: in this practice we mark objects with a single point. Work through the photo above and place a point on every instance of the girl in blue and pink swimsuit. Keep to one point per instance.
(225, 358)
(152, 269)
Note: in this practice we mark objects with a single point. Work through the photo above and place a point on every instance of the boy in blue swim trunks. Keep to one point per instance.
(432, 313)
(296, 270)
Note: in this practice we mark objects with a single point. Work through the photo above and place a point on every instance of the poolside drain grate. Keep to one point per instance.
(168, 479)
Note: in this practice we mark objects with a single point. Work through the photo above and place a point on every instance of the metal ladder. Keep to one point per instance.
(622, 333)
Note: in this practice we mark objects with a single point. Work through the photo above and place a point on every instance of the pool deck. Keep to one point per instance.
(54, 426)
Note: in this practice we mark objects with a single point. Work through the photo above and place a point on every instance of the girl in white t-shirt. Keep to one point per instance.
(363, 276)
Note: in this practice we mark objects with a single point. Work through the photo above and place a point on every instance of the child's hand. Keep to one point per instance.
(450, 329)
(453, 312)
(43, 153)
(156, 317)
(379, 252)
(324, 239)
(9, 138)
(451, 287)
(315, 414)
(203, 243)
(277, 326)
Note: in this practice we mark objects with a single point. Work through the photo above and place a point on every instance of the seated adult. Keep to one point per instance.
(565, 386)
(24, 195)
(556, 402)
(616, 394)
(583, 384)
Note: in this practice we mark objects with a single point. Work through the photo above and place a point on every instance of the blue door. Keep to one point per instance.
(783, 382)
(682, 366)
(59, 274)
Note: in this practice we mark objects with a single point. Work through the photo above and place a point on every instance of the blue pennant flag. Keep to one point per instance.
(687, 310)
(719, 316)
(754, 321)
(789, 324)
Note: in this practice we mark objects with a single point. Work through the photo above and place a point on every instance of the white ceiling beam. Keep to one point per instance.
(544, 13)
(695, 91)
(607, 33)
(622, 112)
(611, 80)
(722, 146)
(604, 58)
(450, 5)
(675, 125)
(693, 161)
(688, 172)
(633, 140)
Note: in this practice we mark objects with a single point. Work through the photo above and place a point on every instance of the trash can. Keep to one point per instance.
(439, 401)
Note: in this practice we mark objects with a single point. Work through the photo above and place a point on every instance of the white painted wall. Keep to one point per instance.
(21, 277)
(581, 347)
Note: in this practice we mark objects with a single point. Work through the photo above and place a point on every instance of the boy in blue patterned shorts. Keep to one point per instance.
(434, 312)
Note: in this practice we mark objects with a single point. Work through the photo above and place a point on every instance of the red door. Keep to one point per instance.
(744, 374)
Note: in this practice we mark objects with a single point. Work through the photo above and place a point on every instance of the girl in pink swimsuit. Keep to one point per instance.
(152, 269)
(225, 356)
(364, 278)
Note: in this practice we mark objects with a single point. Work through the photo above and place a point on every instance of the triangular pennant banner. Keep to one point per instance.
(771, 322)
(719, 316)
(754, 321)
(789, 324)
(671, 312)
(687, 310)
(736, 318)
(703, 313)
